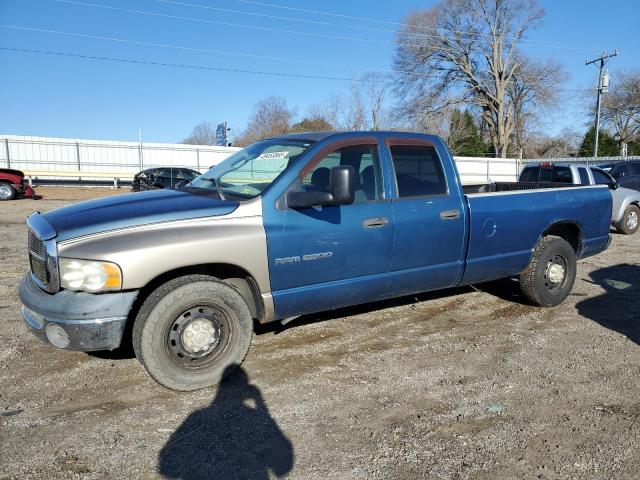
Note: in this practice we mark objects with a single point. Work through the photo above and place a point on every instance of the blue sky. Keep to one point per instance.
(52, 95)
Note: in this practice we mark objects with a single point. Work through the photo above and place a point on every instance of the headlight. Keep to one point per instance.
(89, 275)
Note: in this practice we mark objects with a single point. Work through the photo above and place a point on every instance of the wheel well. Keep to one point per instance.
(235, 276)
(569, 231)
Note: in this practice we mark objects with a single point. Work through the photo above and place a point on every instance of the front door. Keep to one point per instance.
(328, 257)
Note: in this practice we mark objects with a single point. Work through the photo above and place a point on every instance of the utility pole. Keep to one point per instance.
(601, 89)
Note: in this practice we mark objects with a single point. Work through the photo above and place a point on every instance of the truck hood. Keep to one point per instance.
(134, 209)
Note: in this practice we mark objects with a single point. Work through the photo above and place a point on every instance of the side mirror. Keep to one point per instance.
(614, 186)
(341, 190)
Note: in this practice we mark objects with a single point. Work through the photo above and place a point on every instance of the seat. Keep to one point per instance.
(320, 179)
(368, 182)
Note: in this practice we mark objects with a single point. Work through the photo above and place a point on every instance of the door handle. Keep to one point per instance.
(375, 222)
(449, 214)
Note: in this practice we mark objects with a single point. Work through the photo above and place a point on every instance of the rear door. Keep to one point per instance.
(429, 216)
(328, 257)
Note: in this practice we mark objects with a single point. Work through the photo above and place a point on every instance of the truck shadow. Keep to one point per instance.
(233, 437)
(617, 308)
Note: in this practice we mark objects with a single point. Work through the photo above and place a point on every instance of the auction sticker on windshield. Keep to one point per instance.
(273, 155)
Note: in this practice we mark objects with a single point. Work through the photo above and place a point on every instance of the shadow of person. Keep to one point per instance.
(619, 307)
(233, 438)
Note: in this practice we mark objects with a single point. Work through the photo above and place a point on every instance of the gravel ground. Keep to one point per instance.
(464, 383)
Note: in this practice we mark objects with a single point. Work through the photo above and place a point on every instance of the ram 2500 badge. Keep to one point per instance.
(290, 226)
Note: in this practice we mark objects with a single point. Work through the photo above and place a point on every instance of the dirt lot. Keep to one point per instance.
(458, 384)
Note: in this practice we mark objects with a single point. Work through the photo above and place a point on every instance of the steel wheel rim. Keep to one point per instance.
(555, 273)
(632, 220)
(180, 348)
(5, 191)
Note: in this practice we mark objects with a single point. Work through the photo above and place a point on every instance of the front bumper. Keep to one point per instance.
(76, 320)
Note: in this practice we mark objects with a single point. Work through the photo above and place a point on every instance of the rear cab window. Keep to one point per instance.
(530, 174)
(418, 171)
(547, 173)
(562, 175)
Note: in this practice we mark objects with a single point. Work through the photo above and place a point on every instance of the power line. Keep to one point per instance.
(240, 25)
(534, 43)
(180, 65)
(186, 48)
(387, 22)
(221, 69)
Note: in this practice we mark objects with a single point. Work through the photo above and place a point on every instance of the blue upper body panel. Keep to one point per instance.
(133, 209)
(323, 258)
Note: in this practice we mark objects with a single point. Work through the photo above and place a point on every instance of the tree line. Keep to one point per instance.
(459, 72)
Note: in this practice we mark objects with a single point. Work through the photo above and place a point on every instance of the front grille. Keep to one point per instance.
(38, 258)
(36, 245)
(39, 268)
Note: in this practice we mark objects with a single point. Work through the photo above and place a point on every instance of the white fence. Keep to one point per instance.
(44, 156)
(481, 170)
(49, 154)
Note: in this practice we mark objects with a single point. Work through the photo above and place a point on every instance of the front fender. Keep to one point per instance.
(629, 199)
(146, 252)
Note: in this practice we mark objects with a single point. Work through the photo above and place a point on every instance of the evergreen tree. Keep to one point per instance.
(633, 147)
(607, 146)
(464, 137)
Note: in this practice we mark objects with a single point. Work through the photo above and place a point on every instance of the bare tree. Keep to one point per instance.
(202, 134)
(362, 107)
(621, 107)
(270, 117)
(465, 52)
(375, 88)
(531, 92)
(563, 145)
(353, 113)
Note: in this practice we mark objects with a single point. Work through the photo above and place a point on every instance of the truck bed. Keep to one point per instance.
(506, 221)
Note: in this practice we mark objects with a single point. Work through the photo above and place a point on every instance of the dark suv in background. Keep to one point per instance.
(627, 174)
(162, 177)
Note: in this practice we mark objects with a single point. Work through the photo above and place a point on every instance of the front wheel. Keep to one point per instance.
(7, 192)
(191, 332)
(549, 277)
(630, 220)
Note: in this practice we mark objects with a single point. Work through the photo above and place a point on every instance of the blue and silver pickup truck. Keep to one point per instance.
(290, 226)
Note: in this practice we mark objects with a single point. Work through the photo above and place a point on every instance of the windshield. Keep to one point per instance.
(246, 173)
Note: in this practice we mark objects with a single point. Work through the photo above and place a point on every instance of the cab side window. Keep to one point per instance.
(363, 158)
(601, 178)
(584, 176)
(418, 170)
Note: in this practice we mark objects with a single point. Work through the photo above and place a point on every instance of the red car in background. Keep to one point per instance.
(12, 184)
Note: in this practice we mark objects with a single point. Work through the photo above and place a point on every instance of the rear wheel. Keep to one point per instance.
(630, 220)
(192, 331)
(7, 192)
(549, 278)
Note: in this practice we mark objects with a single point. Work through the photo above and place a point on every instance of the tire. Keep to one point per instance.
(550, 275)
(7, 191)
(172, 312)
(630, 220)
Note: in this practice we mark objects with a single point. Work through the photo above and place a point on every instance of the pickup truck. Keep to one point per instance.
(290, 226)
(625, 211)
